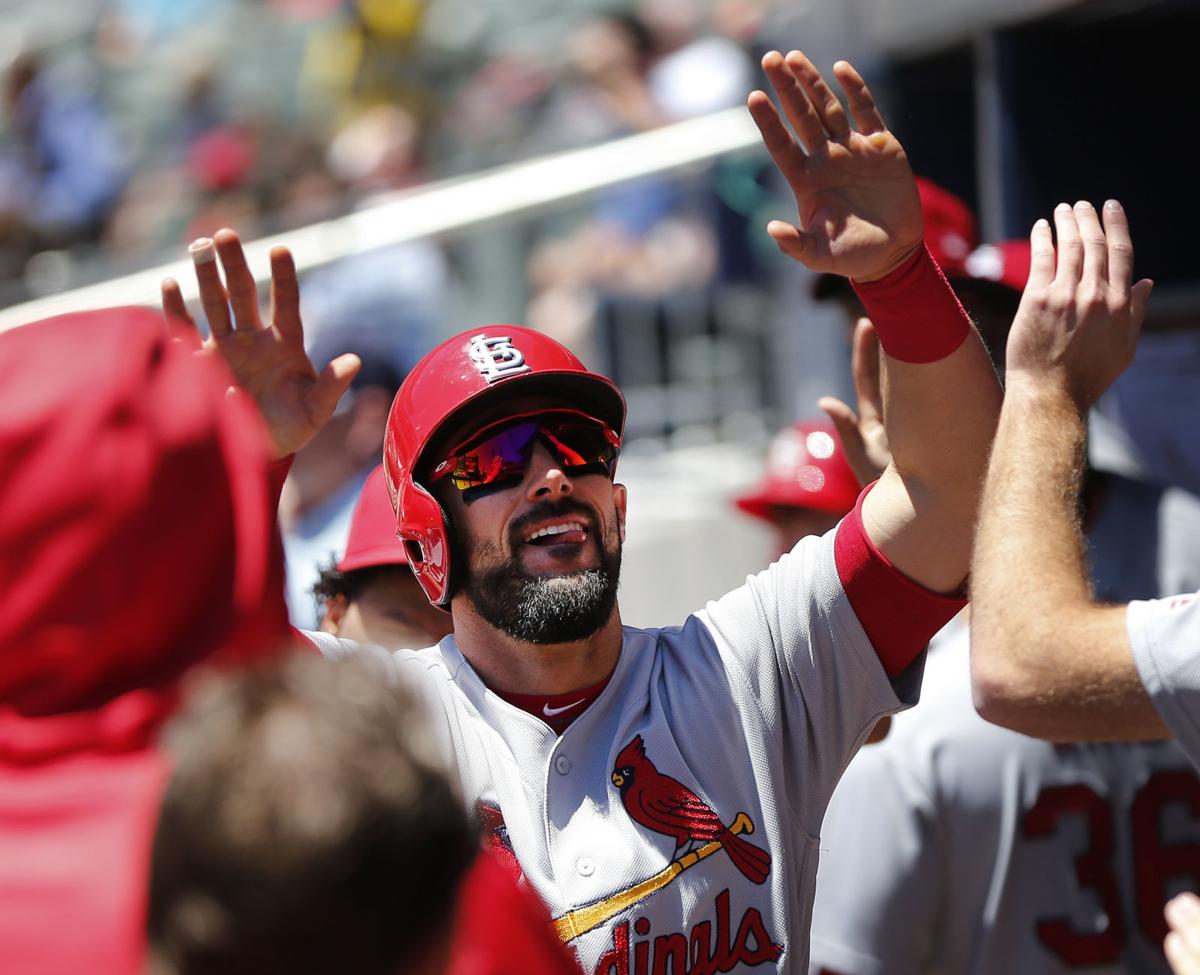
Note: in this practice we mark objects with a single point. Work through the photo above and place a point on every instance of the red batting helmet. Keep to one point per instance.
(473, 372)
(805, 469)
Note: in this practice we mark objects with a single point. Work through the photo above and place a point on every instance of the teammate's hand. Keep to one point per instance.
(860, 215)
(267, 358)
(1079, 319)
(1183, 941)
(863, 435)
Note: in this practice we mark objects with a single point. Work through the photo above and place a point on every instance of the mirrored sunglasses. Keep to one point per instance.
(498, 455)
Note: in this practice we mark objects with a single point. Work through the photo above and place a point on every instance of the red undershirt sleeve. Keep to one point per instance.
(900, 616)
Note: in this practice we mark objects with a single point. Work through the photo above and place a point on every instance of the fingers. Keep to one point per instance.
(824, 102)
(334, 380)
(173, 305)
(858, 97)
(243, 292)
(845, 421)
(796, 106)
(1070, 247)
(285, 295)
(1120, 247)
(792, 241)
(788, 156)
(213, 296)
(1095, 248)
(1041, 256)
(864, 366)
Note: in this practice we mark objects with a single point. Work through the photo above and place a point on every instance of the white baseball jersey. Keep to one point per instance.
(673, 826)
(1165, 635)
(956, 847)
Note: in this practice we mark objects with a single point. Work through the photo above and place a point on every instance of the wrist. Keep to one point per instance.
(902, 258)
(1043, 391)
(916, 314)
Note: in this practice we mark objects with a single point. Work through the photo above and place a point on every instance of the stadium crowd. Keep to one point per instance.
(313, 659)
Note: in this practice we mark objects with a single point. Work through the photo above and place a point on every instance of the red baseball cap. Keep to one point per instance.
(373, 539)
(1005, 262)
(805, 469)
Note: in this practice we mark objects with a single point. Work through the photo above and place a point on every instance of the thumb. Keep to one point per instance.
(792, 241)
(334, 380)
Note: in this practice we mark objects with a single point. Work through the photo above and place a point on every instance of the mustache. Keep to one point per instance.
(564, 508)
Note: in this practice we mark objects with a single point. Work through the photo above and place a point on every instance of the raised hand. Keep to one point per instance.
(1080, 315)
(267, 358)
(859, 212)
(862, 433)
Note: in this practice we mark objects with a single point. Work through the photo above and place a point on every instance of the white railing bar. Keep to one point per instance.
(439, 208)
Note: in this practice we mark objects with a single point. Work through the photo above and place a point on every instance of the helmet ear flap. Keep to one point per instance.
(426, 538)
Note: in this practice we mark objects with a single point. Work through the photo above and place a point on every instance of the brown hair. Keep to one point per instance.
(308, 827)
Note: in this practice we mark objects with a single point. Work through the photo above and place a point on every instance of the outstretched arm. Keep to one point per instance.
(1047, 660)
(266, 357)
(860, 216)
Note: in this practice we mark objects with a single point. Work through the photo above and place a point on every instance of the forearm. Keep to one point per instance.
(941, 399)
(1046, 660)
(1029, 549)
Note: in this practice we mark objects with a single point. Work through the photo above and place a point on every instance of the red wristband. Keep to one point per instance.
(916, 314)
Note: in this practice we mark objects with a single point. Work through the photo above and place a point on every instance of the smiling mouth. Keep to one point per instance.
(562, 533)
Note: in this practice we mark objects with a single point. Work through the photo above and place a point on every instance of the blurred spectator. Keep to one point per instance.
(370, 594)
(61, 167)
(693, 73)
(327, 476)
(309, 827)
(394, 298)
(136, 541)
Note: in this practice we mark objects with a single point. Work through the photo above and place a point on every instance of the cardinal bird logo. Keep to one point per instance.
(667, 806)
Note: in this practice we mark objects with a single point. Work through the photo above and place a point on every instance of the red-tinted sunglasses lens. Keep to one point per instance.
(575, 442)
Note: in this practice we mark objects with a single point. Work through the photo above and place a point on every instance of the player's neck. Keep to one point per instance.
(507, 664)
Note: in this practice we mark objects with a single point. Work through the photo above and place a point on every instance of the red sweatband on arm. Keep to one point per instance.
(899, 616)
(916, 314)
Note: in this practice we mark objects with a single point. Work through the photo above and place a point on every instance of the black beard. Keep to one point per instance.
(545, 609)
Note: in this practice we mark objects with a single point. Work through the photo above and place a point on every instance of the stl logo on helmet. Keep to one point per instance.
(496, 358)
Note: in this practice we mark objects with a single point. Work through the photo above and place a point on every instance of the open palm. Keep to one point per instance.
(858, 208)
(267, 358)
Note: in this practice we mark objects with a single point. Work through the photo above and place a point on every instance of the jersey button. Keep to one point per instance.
(562, 764)
(586, 866)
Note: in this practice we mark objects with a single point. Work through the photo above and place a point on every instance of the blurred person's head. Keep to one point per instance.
(807, 487)
(377, 151)
(610, 47)
(352, 440)
(370, 594)
(307, 828)
(137, 540)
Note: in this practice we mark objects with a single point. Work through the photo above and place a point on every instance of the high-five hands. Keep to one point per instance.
(266, 357)
(859, 212)
(1080, 315)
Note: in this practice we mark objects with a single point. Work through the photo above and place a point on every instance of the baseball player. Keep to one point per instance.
(370, 595)
(663, 789)
(958, 846)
